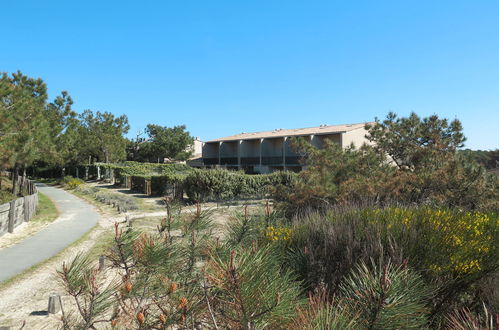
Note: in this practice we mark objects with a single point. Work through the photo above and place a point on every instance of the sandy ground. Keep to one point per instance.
(26, 298)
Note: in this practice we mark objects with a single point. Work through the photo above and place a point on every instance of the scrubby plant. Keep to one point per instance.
(386, 296)
(121, 202)
(251, 291)
(86, 189)
(323, 313)
(454, 251)
(258, 274)
(71, 182)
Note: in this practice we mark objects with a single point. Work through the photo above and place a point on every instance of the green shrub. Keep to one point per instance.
(453, 250)
(219, 184)
(70, 182)
(386, 297)
(252, 291)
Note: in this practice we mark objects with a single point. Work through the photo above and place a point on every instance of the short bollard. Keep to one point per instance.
(102, 262)
(54, 304)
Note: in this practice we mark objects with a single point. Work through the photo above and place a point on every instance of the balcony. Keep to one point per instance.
(250, 160)
(210, 161)
(228, 161)
(272, 160)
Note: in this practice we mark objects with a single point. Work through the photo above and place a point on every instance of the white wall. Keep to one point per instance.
(357, 137)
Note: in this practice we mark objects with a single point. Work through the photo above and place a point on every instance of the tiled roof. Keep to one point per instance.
(320, 130)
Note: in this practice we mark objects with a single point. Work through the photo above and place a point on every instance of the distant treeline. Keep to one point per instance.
(488, 158)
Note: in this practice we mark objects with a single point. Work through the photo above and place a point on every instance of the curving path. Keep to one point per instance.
(76, 217)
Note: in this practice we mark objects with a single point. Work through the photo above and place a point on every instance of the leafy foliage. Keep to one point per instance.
(174, 143)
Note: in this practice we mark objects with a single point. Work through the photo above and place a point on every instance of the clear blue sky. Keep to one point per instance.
(223, 67)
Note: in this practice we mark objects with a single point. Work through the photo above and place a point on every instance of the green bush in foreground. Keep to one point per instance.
(455, 252)
(362, 268)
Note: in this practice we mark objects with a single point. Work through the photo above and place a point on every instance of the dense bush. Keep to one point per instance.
(217, 184)
(455, 251)
(71, 183)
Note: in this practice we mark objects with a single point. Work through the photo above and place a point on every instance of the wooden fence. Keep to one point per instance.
(19, 210)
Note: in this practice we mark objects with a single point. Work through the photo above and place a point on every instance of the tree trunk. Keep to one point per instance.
(15, 180)
(23, 181)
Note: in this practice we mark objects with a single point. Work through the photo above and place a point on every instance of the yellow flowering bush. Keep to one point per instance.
(278, 233)
(453, 241)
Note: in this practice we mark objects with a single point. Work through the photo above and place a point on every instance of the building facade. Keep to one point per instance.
(265, 152)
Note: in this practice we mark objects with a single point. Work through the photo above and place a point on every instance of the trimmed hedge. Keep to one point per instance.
(218, 184)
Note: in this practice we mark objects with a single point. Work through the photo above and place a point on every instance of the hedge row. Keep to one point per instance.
(218, 184)
(178, 179)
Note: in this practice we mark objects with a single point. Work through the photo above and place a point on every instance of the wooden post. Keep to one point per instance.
(54, 304)
(12, 216)
(102, 262)
(86, 173)
(27, 200)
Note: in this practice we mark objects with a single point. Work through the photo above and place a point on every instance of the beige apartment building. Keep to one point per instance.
(265, 152)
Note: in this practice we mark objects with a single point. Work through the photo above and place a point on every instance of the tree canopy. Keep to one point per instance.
(174, 143)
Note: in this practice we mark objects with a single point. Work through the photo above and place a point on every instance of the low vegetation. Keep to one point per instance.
(338, 270)
(121, 202)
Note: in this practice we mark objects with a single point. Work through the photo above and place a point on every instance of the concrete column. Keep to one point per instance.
(220, 153)
(284, 139)
(239, 153)
(261, 141)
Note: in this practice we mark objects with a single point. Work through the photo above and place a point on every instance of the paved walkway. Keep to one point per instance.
(76, 217)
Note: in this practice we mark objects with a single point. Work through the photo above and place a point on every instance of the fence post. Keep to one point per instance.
(26, 205)
(54, 304)
(12, 216)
